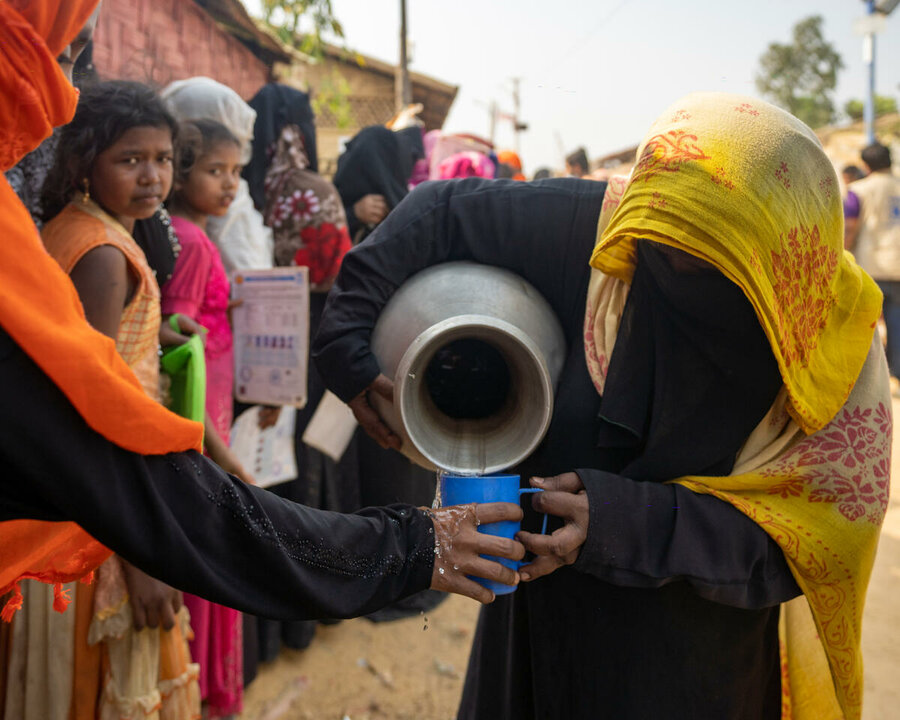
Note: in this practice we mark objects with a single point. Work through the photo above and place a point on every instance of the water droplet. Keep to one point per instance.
(441, 570)
(455, 567)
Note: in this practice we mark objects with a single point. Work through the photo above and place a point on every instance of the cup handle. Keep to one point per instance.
(531, 491)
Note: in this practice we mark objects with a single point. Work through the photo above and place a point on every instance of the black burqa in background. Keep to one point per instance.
(277, 105)
(377, 161)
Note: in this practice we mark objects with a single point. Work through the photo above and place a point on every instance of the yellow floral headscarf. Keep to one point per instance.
(745, 186)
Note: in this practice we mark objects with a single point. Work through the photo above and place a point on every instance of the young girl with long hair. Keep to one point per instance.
(206, 180)
(114, 166)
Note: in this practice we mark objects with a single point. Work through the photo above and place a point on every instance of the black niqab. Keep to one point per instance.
(692, 372)
(278, 105)
(377, 161)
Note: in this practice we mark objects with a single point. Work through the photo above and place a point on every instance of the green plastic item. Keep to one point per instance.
(186, 366)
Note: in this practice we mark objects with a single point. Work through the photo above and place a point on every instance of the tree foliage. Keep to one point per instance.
(801, 76)
(884, 105)
(303, 23)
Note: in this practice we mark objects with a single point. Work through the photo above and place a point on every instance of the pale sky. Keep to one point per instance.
(597, 72)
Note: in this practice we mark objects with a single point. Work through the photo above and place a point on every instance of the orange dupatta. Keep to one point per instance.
(39, 306)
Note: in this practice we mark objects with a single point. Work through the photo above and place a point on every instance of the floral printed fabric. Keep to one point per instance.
(746, 187)
(304, 211)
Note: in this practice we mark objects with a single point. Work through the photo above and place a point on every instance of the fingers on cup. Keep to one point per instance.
(472, 589)
(562, 543)
(498, 512)
(561, 504)
(490, 570)
(567, 482)
(500, 547)
(540, 566)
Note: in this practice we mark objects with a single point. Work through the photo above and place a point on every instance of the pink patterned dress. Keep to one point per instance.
(199, 289)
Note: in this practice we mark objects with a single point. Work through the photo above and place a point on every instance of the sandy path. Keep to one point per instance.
(371, 671)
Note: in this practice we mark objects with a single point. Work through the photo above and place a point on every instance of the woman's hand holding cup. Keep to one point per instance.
(459, 545)
(564, 496)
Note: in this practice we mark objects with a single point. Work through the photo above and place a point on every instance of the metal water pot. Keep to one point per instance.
(492, 321)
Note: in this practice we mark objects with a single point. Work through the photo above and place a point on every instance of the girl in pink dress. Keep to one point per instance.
(207, 178)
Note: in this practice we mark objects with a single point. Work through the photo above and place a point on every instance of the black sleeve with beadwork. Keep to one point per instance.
(183, 520)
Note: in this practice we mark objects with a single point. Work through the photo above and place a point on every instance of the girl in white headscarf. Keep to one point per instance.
(243, 240)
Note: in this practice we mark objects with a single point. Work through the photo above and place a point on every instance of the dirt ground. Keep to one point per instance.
(358, 670)
(408, 669)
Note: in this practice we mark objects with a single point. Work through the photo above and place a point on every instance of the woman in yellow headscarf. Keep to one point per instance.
(723, 405)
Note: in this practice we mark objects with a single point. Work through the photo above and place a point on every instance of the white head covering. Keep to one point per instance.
(243, 240)
(203, 98)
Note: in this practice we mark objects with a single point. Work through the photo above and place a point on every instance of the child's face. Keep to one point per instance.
(132, 177)
(213, 181)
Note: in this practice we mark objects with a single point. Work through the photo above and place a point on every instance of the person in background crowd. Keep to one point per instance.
(307, 217)
(444, 145)
(373, 174)
(277, 105)
(422, 168)
(577, 163)
(113, 167)
(721, 431)
(241, 237)
(252, 550)
(466, 164)
(542, 174)
(207, 178)
(875, 239)
(850, 174)
(511, 160)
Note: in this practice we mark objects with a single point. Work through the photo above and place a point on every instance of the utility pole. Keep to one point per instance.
(402, 88)
(493, 112)
(869, 60)
(516, 109)
(868, 26)
(518, 125)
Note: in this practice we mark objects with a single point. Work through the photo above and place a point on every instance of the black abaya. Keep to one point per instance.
(377, 161)
(671, 609)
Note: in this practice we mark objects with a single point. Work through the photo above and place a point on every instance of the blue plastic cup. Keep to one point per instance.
(463, 490)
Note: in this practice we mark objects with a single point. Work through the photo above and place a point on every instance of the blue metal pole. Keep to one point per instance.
(869, 57)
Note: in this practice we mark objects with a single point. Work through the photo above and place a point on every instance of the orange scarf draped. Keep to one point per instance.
(39, 306)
